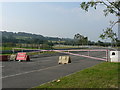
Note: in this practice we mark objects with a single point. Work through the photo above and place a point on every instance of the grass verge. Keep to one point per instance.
(38, 53)
(103, 75)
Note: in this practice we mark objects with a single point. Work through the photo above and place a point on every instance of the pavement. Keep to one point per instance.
(24, 75)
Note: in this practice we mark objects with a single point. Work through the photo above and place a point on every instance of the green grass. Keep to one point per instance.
(6, 48)
(63, 47)
(38, 53)
(10, 48)
(67, 47)
(103, 75)
(34, 53)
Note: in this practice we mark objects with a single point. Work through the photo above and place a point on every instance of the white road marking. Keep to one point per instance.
(29, 72)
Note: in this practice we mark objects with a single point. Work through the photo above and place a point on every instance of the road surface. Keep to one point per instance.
(41, 70)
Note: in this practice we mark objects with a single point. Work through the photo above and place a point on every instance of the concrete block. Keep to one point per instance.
(12, 57)
(64, 60)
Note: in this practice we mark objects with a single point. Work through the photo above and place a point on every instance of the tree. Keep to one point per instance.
(111, 8)
(108, 33)
(100, 43)
(85, 41)
(80, 39)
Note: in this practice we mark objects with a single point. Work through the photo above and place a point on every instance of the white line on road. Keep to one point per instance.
(29, 72)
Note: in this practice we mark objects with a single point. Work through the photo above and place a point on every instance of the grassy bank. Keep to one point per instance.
(11, 48)
(38, 53)
(103, 75)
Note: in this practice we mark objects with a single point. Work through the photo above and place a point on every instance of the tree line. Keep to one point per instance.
(27, 40)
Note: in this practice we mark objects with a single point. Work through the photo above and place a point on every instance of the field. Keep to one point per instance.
(10, 48)
(103, 75)
(34, 53)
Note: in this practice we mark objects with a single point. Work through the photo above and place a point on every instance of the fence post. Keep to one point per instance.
(107, 56)
(88, 52)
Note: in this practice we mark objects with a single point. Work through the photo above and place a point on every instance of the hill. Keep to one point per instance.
(22, 37)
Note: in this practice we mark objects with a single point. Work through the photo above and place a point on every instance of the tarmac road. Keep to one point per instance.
(40, 70)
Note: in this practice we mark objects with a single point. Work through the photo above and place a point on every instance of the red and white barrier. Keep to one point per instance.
(22, 56)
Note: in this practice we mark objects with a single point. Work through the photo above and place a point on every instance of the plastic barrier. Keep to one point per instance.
(64, 60)
(3, 57)
(22, 56)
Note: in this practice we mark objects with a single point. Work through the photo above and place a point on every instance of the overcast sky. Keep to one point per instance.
(55, 19)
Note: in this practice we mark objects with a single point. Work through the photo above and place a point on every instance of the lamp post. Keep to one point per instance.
(59, 42)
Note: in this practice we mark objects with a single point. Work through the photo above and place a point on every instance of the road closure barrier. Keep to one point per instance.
(97, 54)
(22, 57)
(3, 57)
(64, 60)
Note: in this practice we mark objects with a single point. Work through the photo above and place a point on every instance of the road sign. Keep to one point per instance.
(22, 56)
